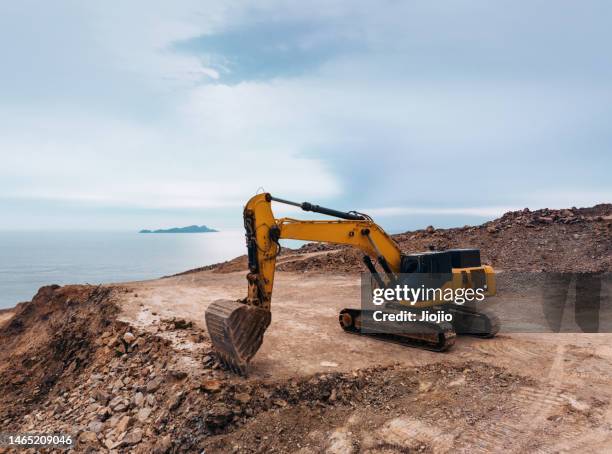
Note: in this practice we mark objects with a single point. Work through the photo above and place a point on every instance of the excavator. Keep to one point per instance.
(236, 328)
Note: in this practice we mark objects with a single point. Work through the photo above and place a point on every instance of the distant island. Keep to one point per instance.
(190, 229)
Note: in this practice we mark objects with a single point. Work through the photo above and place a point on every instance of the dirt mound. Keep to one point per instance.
(311, 414)
(575, 240)
(46, 338)
(240, 263)
(64, 366)
(70, 364)
(571, 240)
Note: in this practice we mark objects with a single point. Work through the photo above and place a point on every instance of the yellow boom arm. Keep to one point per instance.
(264, 231)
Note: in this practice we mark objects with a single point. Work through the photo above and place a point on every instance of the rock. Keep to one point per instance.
(101, 396)
(457, 382)
(123, 424)
(425, 386)
(103, 413)
(110, 443)
(208, 360)
(182, 324)
(333, 395)
(132, 438)
(430, 229)
(218, 416)
(178, 374)
(154, 384)
(163, 445)
(88, 437)
(120, 408)
(128, 338)
(577, 405)
(491, 229)
(212, 386)
(150, 399)
(96, 426)
(138, 399)
(116, 401)
(244, 398)
(112, 342)
(280, 402)
(92, 408)
(143, 414)
(177, 400)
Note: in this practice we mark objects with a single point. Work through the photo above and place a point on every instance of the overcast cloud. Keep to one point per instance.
(152, 114)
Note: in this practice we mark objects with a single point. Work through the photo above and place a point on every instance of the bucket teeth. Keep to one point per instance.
(236, 331)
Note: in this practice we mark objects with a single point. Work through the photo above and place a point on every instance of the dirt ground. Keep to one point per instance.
(129, 368)
(565, 390)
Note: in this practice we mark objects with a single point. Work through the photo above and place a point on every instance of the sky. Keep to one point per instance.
(149, 114)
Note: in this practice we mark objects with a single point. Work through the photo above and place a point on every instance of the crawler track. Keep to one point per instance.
(472, 322)
(426, 335)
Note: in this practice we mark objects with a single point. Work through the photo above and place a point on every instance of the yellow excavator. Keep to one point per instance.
(236, 328)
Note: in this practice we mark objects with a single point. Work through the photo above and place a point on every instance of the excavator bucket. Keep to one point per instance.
(236, 331)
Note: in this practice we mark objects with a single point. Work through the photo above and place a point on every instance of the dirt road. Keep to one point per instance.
(561, 402)
(129, 368)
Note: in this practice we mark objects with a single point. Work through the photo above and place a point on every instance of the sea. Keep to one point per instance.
(29, 260)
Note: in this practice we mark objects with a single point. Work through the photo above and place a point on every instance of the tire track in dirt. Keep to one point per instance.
(530, 425)
(516, 431)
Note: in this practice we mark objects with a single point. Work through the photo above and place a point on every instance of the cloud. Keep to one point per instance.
(144, 168)
(410, 108)
(268, 49)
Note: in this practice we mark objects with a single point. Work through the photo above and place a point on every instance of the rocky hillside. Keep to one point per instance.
(69, 365)
(570, 240)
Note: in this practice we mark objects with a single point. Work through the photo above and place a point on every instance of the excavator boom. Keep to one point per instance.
(237, 328)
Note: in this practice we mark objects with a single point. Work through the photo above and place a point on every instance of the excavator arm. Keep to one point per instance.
(236, 328)
(264, 232)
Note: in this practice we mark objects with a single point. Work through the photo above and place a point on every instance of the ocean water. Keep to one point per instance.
(29, 260)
